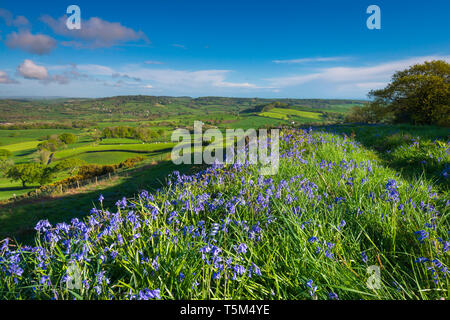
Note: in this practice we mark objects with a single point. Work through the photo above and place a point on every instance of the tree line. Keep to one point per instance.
(141, 133)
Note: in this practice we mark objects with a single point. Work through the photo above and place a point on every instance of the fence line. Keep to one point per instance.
(63, 188)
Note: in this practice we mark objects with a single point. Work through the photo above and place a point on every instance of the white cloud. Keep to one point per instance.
(5, 79)
(38, 44)
(29, 70)
(94, 33)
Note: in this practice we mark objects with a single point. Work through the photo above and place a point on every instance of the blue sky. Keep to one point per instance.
(298, 49)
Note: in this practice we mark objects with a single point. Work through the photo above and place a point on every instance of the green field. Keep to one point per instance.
(301, 114)
(293, 115)
(21, 146)
(274, 114)
(111, 141)
(8, 137)
(135, 148)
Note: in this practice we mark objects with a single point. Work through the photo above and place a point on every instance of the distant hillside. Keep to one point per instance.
(137, 108)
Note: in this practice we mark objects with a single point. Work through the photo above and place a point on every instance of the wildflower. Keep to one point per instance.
(122, 203)
(392, 193)
(42, 226)
(120, 239)
(5, 245)
(101, 278)
(333, 296)
(312, 287)
(342, 225)
(85, 284)
(45, 280)
(421, 260)
(144, 194)
(155, 263)
(214, 229)
(364, 257)
(256, 269)
(239, 269)
(242, 248)
(149, 294)
(101, 198)
(422, 235)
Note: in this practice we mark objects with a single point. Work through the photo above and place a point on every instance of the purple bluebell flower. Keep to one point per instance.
(312, 287)
(364, 257)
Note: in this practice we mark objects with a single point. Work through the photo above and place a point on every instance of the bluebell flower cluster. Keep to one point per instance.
(206, 230)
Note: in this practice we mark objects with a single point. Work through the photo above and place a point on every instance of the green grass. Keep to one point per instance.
(8, 189)
(136, 148)
(298, 116)
(302, 114)
(16, 136)
(105, 157)
(113, 141)
(21, 146)
(334, 208)
(275, 115)
(253, 121)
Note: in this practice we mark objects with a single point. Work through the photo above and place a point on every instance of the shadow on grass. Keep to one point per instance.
(17, 189)
(391, 143)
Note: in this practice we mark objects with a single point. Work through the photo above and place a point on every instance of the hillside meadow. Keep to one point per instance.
(335, 208)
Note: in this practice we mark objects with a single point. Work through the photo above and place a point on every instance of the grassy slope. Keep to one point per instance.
(299, 113)
(332, 210)
(136, 148)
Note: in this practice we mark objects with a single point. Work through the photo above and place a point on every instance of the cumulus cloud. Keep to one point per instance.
(8, 18)
(38, 44)
(29, 70)
(5, 79)
(94, 33)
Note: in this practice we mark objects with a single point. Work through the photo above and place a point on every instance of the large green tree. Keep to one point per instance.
(419, 94)
(26, 173)
(67, 138)
(70, 165)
